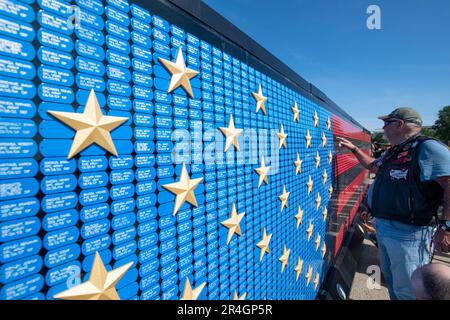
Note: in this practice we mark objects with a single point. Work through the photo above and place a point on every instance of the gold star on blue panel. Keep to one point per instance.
(260, 100)
(284, 258)
(236, 297)
(231, 134)
(183, 189)
(91, 126)
(189, 293)
(100, 286)
(284, 198)
(181, 75)
(298, 165)
(262, 171)
(263, 245)
(233, 223)
(316, 119)
(296, 112)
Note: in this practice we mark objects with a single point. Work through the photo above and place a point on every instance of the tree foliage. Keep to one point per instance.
(442, 125)
(430, 132)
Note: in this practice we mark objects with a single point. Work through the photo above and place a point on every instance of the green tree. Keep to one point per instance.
(430, 132)
(442, 125)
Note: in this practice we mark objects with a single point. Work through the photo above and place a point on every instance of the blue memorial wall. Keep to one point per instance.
(56, 213)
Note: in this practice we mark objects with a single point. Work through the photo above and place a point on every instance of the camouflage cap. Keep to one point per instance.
(405, 114)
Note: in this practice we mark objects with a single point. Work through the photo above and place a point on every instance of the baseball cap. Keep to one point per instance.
(405, 114)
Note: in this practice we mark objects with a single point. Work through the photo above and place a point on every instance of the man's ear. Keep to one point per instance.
(401, 124)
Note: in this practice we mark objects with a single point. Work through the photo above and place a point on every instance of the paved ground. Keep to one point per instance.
(360, 290)
(369, 256)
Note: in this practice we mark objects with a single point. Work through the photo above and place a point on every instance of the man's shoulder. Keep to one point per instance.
(433, 146)
(434, 160)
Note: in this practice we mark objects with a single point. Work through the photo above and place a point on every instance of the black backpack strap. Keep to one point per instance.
(415, 153)
(421, 138)
(433, 189)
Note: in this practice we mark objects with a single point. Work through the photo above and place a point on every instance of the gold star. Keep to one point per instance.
(260, 100)
(282, 137)
(308, 275)
(317, 159)
(100, 286)
(284, 258)
(91, 126)
(296, 112)
(330, 190)
(262, 171)
(325, 213)
(233, 223)
(264, 245)
(328, 123)
(330, 157)
(316, 281)
(298, 268)
(299, 216)
(316, 119)
(180, 73)
(317, 242)
(298, 164)
(309, 184)
(284, 198)
(188, 293)
(324, 176)
(310, 229)
(308, 139)
(324, 249)
(183, 189)
(318, 201)
(324, 140)
(235, 296)
(232, 134)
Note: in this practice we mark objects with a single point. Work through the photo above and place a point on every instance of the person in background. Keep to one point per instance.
(412, 181)
(377, 150)
(367, 223)
(431, 282)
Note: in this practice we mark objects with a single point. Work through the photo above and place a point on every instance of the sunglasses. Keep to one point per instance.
(387, 122)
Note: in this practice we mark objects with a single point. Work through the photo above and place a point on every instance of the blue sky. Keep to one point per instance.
(366, 72)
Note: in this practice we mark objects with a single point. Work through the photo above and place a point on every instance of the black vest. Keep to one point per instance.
(398, 194)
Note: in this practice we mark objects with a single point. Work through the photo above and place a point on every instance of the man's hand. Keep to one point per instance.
(368, 227)
(366, 222)
(345, 143)
(365, 216)
(442, 241)
(442, 237)
(362, 157)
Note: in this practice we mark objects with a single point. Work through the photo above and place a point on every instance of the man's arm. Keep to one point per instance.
(442, 237)
(363, 158)
(445, 184)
